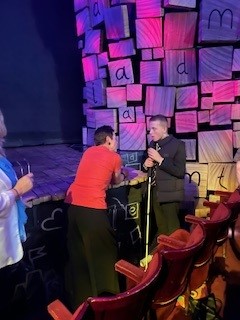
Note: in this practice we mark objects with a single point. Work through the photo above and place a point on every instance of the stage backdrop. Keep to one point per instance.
(40, 72)
(180, 58)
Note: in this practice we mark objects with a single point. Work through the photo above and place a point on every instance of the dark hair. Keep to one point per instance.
(159, 117)
(102, 133)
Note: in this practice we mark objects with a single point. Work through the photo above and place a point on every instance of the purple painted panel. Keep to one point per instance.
(186, 121)
(96, 8)
(160, 100)
(93, 41)
(215, 63)
(236, 60)
(220, 115)
(179, 67)
(179, 3)
(187, 97)
(150, 72)
(83, 22)
(147, 54)
(219, 21)
(80, 4)
(116, 22)
(123, 48)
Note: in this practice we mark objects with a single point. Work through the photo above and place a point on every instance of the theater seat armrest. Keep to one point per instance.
(170, 242)
(193, 219)
(210, 204)
(81, 310)
(129, 270)
(58, 311)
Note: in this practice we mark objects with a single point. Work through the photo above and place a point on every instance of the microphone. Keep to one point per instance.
(149, 172)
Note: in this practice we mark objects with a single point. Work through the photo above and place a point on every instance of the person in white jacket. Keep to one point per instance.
(11, 190)
(12, 220)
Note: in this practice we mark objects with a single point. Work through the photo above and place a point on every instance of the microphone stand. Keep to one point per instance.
(148, 216)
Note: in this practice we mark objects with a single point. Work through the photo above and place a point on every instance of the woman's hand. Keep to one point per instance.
(24, 184)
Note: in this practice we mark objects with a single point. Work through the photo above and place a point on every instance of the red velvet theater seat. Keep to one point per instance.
(130, 305)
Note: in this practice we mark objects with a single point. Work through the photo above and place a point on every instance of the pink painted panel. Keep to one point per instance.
(236, 139)
(126, 114)
(235, 112)
(134, 92)
(206, 103)
(186, 121)
(237, 87)
(116, 97)
(215, 146)
(158, 53)
(203, 116)
(149, 33)
(149, 9)
(236, 126)
(121, 72)
(90, 68)
(179, 30)
(206, 87)
(223, 91)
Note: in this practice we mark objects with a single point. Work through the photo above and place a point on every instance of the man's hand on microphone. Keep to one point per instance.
(155, 156)
(148, 163)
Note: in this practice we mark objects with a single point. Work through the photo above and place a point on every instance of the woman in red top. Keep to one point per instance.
(91, 241)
